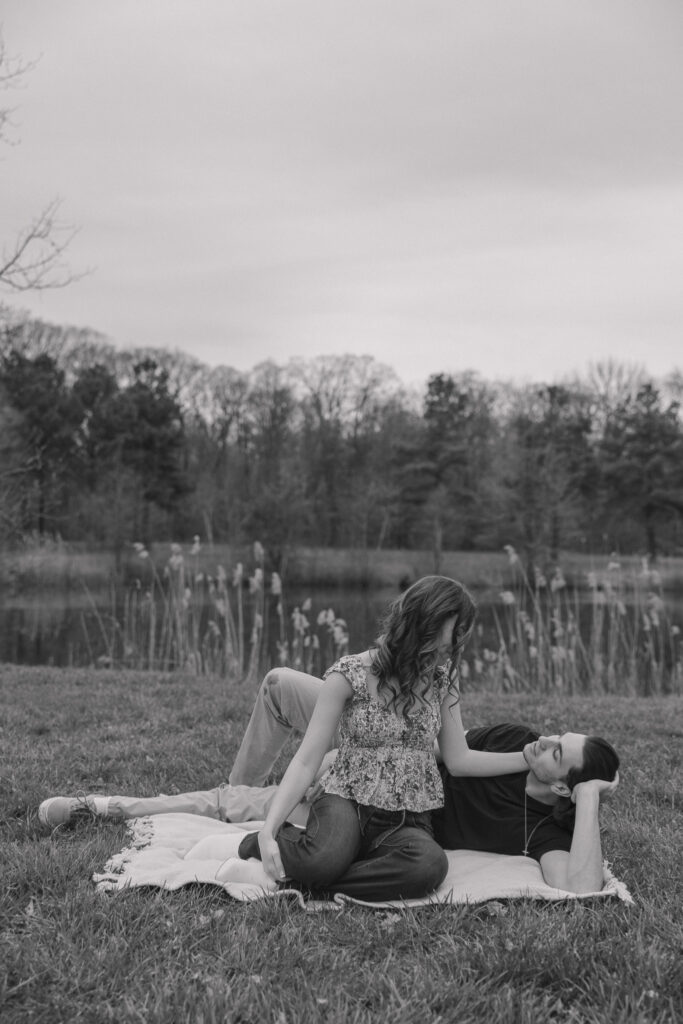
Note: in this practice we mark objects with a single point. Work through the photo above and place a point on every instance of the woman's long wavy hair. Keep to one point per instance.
(405, 655)
(600, 761)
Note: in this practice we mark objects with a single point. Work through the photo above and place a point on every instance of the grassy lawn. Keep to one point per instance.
(69, 954)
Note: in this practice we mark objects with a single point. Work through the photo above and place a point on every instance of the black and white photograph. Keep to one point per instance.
(341, 511)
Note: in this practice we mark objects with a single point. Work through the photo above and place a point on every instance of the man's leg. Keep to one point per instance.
(225, 803)
(284, 704)
(204, 802)
(252, 803)
(59, 810)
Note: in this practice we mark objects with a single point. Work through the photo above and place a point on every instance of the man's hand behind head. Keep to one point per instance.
(600, 788)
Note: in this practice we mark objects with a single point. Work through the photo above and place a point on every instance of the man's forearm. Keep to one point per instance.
(584, 867)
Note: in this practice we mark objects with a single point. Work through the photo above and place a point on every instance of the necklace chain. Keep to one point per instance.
(528, 838)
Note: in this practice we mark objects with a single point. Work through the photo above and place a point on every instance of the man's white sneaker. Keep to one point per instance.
(58, 810)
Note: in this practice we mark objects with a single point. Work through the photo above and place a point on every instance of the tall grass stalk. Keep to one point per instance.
(258, 627)
(549, 641)
(185, 618)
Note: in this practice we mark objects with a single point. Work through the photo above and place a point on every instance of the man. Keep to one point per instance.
(550, 813)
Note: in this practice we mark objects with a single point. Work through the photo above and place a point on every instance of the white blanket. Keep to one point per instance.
(171, 850)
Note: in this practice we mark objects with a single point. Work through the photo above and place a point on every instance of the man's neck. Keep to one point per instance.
(540, 791)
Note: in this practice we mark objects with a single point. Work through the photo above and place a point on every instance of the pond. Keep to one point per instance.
(80, 629)
(593, 639)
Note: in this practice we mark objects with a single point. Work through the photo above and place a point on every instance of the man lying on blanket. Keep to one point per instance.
(549, 813)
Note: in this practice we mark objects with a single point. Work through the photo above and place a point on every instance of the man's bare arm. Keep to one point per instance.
(580, 870)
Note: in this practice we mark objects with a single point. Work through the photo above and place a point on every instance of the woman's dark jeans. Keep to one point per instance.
(361, 851)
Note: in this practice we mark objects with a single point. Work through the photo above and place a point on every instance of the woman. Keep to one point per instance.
(369, 833)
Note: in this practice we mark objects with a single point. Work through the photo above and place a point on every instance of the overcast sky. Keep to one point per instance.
(443, 184)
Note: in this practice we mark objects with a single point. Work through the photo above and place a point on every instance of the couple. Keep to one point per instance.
(379, 813)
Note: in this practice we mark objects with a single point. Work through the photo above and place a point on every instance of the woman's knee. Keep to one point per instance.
(435, 867)
(428, 864)
(317, 863)
(330, 843)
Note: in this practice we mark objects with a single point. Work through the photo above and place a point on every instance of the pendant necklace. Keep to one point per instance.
(528, 838)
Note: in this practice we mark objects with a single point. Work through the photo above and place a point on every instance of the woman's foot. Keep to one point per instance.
(249, 872)
(222, 846)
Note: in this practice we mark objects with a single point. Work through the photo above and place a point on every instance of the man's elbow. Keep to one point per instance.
(559, 872)
(583, 885)
(577, 884)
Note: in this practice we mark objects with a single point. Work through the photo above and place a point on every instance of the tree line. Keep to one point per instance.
(108, 447)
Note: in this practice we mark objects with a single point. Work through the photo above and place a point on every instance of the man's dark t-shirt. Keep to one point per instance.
(488, 813)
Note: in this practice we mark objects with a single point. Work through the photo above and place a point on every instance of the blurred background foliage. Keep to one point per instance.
(105, 446)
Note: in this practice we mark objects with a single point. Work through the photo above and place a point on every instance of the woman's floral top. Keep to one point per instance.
(384, 759)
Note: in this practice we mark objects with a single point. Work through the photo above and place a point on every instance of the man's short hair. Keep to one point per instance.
(600, 761)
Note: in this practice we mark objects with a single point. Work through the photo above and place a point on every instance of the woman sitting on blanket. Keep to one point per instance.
(369, 833)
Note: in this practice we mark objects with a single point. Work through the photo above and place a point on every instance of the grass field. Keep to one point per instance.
(69, 954)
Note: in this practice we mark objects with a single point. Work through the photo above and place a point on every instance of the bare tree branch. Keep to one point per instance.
(35, 260)
(12, 71)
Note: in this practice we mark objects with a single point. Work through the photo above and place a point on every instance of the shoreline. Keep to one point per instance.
(65, 566)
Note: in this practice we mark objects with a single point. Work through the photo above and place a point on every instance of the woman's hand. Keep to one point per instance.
(270, 856)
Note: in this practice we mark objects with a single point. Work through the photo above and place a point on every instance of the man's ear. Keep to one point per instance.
(561, 789)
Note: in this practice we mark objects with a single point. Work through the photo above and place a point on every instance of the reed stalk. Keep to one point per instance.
(627, 646)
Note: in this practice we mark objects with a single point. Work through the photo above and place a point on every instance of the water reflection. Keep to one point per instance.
(590, 642)
(71, 629)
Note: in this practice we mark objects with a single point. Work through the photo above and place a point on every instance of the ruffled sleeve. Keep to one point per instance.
(352, 668)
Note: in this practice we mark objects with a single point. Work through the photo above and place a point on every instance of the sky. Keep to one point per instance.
(445, 185)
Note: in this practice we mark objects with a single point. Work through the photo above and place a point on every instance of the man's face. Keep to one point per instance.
(551, 757)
